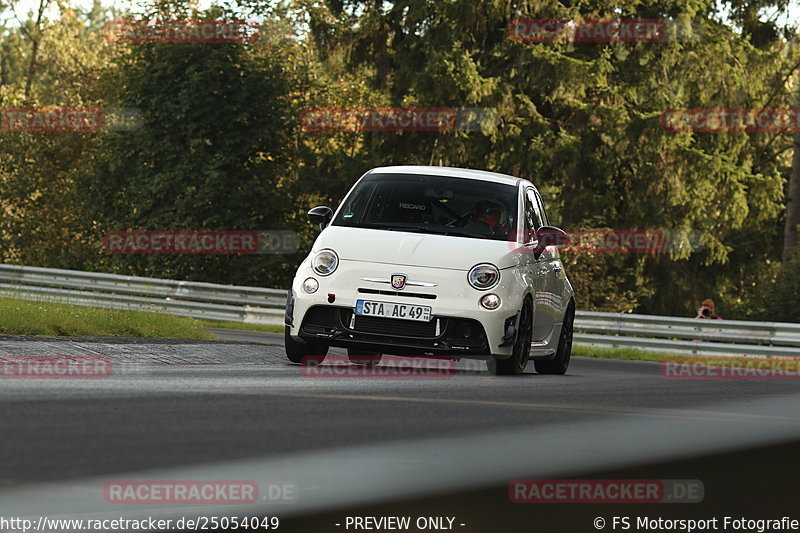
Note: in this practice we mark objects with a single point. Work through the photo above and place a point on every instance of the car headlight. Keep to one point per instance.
(325, 262)
(484, 276)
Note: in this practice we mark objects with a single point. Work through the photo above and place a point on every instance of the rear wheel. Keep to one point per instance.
(521, 351)
(559, 363)
(361, 357)
(303, 352)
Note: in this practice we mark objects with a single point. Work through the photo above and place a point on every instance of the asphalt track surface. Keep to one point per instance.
(446, 445)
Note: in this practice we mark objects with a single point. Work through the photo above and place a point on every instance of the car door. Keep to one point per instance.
(556, 279)
(536, 268)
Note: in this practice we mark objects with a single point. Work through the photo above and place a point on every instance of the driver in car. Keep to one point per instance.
(487, 218)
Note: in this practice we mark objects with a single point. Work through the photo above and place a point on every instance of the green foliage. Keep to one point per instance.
(210, 155)
(220, 145)
(49, 318)
(782, 301)
(628, 354)
(778, 299)
(582, 121)
(40, 222)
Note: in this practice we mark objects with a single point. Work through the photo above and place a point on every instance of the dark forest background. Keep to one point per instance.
(220, 146)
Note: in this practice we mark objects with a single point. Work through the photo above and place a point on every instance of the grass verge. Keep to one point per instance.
(22, 317)
(628, 354)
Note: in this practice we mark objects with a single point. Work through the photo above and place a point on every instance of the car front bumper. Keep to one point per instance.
(459, 325)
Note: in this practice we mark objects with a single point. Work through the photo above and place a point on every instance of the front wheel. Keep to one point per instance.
(558, 364)
(521, 351)
(303, 352)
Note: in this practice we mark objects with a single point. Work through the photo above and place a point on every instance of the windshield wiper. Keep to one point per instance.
(411, 229)
(390, 227)
(443, 231)
(467, 234)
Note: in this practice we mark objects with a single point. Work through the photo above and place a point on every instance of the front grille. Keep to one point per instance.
(341, 328)
(398, 293)
(393, 326)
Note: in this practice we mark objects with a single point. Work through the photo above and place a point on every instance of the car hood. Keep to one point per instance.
(414, 249)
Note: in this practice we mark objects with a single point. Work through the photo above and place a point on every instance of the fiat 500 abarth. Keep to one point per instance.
(435, 261)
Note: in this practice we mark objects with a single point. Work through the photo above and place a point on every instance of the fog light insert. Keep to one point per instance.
(490, 301)
(310, 285)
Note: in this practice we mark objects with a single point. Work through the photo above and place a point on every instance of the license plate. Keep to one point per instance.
(421, 313)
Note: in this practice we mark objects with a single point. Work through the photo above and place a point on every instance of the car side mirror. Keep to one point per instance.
(321, 215)
(548, 236)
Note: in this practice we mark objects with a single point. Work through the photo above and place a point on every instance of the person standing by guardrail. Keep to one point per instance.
(707, 310)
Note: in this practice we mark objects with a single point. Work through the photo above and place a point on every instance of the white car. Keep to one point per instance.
(435, 261)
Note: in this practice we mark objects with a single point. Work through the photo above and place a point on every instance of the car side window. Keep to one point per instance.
(533, 217)
(540, 203)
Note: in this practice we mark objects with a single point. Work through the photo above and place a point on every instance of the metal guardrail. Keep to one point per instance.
(209, 301)
(770, 333)
(266, 306)
(153, 287)
(687, 335)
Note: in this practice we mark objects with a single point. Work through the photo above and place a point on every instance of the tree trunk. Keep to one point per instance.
(790, 232)
(36, 39)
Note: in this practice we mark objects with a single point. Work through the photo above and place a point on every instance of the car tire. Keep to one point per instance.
(361, 357)
(516, 364)
(558, 364)
(303, 352)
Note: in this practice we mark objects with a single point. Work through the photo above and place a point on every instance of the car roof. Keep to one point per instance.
(449, 172)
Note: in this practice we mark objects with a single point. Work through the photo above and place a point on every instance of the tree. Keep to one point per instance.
(791, 239)
(46, 62)
(582, 121)
(210, 155)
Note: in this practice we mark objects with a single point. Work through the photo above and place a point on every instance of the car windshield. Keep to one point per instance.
(431, 204)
